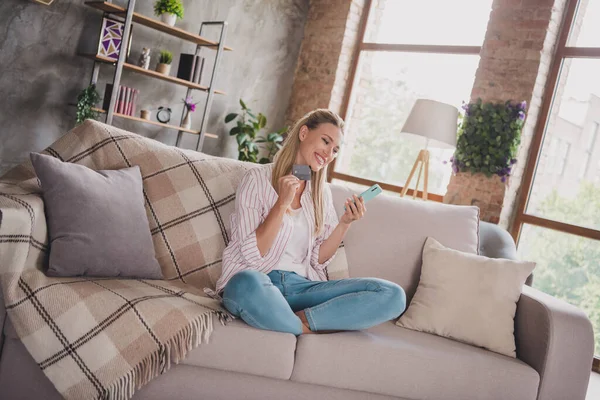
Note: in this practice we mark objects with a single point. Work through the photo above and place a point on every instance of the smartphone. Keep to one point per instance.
(369, 193)
(301, 172)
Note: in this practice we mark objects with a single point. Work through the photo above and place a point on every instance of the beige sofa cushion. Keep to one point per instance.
(399, 362)
(238, 347)
(467, 297)
(388, 242)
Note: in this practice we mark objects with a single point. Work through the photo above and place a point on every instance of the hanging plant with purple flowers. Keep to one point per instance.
(488, 138)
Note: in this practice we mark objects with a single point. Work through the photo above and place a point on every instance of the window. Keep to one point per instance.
(387, 87)
(408, 52)
(429, 22)
(586, 33)
(592, 136)
(551, 154)
(584, 165)
(562, 158)
(589, 150)
(541, 167)
(566, 264)
(568, 199)
(572, 129)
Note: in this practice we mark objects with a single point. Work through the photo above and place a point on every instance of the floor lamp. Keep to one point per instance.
(437, 122)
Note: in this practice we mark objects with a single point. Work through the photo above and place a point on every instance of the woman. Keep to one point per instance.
(285, 233)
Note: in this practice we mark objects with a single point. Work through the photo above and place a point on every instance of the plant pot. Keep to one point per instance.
(487, 193)
(169, 19)
(163, 68)
(187, 121)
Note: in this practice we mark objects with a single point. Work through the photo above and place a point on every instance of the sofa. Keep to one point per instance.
(554, 340)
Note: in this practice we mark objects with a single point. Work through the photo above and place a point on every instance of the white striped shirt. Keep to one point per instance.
(254, 199)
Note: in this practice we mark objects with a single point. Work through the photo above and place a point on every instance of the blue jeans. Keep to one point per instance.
(269, 301)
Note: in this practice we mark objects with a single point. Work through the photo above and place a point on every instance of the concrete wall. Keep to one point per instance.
(41, 74)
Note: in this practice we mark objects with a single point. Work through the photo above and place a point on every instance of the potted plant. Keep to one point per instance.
(485, 156)
(248, 125)
(85, 101)
(164, 62)
(169, 11)
(488, 138)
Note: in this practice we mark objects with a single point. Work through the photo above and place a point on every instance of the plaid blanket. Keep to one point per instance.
(104, 338)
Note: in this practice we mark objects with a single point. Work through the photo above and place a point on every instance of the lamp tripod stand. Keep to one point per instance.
(423, 162)
(434, 121)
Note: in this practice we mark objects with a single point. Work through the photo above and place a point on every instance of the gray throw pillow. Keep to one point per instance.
(97, 221)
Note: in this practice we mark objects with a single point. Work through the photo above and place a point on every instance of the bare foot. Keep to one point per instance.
(305, 326)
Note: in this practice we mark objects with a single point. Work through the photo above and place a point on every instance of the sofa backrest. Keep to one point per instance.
(388, 242)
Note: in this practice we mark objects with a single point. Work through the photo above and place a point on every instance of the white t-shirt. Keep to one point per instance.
(295, 257)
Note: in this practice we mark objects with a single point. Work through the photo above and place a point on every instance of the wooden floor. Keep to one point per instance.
(594, 387)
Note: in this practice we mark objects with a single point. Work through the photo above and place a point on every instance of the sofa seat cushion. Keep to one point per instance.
(238, 347)
(390, 360)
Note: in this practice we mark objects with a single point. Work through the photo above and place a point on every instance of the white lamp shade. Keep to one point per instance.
(433, 120)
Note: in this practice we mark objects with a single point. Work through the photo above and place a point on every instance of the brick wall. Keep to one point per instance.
(515, 62)
(323, 69)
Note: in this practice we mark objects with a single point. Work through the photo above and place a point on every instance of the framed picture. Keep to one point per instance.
(111, 39)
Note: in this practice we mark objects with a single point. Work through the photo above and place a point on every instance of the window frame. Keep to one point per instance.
(562, 52)
(363, 46)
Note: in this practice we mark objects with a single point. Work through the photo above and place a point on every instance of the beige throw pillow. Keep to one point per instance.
(468, 298)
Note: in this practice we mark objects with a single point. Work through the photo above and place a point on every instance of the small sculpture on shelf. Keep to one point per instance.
(145, 114)
(168, 11)
(189, 108)
(145, 58)
(164, 62)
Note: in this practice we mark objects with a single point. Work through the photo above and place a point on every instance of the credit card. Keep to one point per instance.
(301, 172)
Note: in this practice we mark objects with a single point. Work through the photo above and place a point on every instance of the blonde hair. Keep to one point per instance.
(285, 157)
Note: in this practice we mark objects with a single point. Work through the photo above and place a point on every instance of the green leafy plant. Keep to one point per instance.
(87, 99)
(169, 7)
(166, 57)
(488, 138)
(246, 130)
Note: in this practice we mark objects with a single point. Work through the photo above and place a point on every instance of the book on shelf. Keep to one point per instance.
(126, 99)
(185, 70)
(121, 100)
(198, 67)
(190, 67)
(133, 101)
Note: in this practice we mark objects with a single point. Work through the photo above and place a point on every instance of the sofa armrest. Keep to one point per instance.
(495, 242)
(557, 340)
